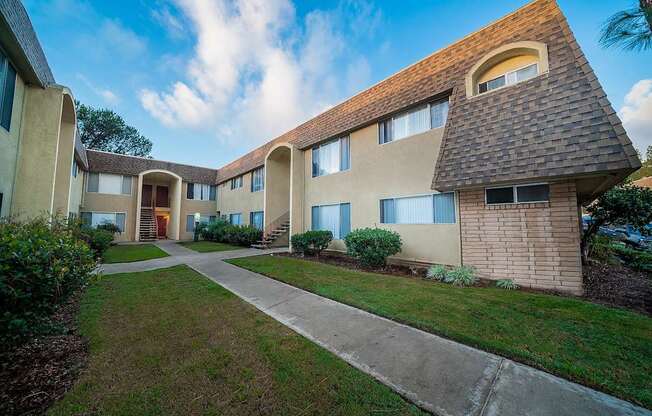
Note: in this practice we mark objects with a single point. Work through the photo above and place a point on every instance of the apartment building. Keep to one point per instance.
(480, 154)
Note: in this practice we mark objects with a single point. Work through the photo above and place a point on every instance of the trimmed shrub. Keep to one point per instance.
(506, 284)
(241, 235)
(311, 242)
(462, 276)
(98, 240)
(437, 272)
(214, 231)
(41, 264)
(372, 246)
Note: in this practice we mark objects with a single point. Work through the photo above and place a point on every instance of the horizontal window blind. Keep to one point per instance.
(423, 209)
(334, 218)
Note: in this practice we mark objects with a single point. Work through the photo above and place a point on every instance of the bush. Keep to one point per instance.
(107, 226)
(41, 263)
(506, 284)
(241, 235)
(214, 231)
(636, 259)
(372, 246)
(437, 272)
(462, 276)
(98, 240)
(311, 242)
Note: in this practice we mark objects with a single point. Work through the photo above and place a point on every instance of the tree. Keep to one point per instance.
(103, 129)
(629, 29)
(624, 204)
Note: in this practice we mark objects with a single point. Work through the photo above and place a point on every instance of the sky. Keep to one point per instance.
(209, 80)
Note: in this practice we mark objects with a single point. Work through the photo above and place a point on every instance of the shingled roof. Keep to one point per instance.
(133, 165)
(557, 124)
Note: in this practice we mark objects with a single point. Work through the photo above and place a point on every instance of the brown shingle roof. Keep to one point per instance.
(559, 124)
(132, 165)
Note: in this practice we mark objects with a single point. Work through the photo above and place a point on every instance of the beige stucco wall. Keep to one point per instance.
(399, 168)
(9, 141)
(190, 207)
(76, 191)
(65, 155)
(240, 200)
(97, 202)
(277, 184)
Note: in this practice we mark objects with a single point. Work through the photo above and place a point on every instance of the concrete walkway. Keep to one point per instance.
(440, 375)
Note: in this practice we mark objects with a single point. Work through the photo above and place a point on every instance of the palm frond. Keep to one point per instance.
(628, 29)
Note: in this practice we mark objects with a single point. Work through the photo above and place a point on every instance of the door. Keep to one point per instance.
(161, 226)
(162, 196)
(146, 200)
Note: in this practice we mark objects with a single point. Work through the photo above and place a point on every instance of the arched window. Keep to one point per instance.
(507, 65)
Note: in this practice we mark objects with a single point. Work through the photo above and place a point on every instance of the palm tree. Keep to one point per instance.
(630, 29)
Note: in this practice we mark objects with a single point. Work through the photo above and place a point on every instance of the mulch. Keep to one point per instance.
(38, 373)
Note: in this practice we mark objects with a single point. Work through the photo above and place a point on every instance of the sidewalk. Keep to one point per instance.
(440, 375)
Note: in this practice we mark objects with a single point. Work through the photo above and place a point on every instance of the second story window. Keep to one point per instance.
(509, 78)
(258, 179)
(7, 86)
(330, 157)
(108, 183)
(236, 182)
(414, 121)
(201, 192)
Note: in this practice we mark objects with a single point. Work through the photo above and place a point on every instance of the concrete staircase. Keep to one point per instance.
(147, 225)
(278, 237)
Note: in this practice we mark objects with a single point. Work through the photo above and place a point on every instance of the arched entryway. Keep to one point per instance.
(159, 205)
(277, 187)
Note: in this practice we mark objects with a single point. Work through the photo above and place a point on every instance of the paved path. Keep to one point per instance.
(440, 375)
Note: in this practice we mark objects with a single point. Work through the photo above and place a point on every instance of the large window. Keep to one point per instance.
(518, 194)
(93, 219)
(414, 121)
(334, 218)
(201, 192)
(107, 183)
(235, 219)
(423, 209)
(256, 219)
(330, 157)
(203, 219)
(509, 78)
(258, 179)
(236, 182)
(7, 86)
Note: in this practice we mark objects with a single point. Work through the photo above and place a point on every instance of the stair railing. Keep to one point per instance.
(276, 223)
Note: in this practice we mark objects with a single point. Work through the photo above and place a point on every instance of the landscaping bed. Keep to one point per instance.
(604, 348)
(40, 372)
(618, 285)
(209, 246)
(128, 253)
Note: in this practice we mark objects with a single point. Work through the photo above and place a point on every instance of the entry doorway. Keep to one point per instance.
(161, 226)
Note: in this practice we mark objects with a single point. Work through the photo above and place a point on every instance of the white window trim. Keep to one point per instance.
(505, 75)
(129, 195)
(515, 194)
(416, 196)
(415, 134)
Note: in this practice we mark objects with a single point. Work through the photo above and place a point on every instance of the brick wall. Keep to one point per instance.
(536, 245)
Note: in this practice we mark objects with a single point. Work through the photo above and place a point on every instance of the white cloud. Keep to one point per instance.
(256, 70)
(636, 114)
(172, 24)
(123, 39)
(106, 94)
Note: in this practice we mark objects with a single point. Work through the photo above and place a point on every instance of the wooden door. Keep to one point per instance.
(162, 196)
(161, 226)
(146, 200)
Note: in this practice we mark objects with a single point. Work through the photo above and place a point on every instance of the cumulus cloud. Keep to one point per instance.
(636, 114)
(257, 70)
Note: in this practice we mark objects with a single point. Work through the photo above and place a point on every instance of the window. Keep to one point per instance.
(236, 182)
(75, 168)
(258, 179)
(517, 194)
(424, 209)
(414, 121)
(334, 218)
(7, 86)
(256, 219)
(330, 157)
(510, 78)
(203, 219)
(235, 219)
(93, 219)
(107, 183)
(201, 192)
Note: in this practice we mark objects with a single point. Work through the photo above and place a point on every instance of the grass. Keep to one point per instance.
(605, 348)
(128, 253)
(170, 341)
(209, 246)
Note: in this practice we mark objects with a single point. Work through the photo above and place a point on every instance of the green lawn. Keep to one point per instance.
(602, 347)
(209, 246)
(128, 253)
(172, 342)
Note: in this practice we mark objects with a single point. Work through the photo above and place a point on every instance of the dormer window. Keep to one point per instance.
(509, 78)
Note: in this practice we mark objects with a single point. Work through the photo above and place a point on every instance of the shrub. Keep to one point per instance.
(636, 259)
(241, 235)
(107, 226)
(98, 240)
(214, 231)
(372, 246)
(462, 276)
(437, 272)
(506, 284)
(41, 264)
(311, 242)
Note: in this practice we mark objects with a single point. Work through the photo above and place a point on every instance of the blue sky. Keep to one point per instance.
(208, 80)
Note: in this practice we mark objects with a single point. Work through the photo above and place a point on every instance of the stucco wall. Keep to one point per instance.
(97, 202)
(76, 191)
(399, 168)
(65, 155)
(190, 207)
(240, 200)
(9, 141)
